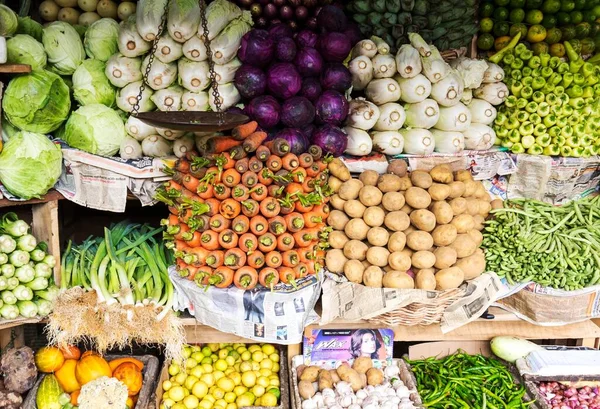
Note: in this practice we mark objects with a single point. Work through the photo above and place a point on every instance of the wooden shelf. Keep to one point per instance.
(18, 322)
(15, 68)
(49, 197)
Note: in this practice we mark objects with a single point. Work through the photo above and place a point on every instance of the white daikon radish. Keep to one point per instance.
(456, 118)
(479, 137)
(415, 89)
(382, 91)
(384, 66)
(448, 142)
(388, 142)
(424, 114)
(391, 117)
(359, 142)
(418, 141)
(361, 69)
(362, 114)
(482, 112)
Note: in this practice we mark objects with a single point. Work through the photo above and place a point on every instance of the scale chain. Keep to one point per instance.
(211, 63)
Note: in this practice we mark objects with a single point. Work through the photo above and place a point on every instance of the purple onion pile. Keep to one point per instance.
(560, 396)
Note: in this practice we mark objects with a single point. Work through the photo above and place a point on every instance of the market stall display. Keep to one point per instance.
(85, 12)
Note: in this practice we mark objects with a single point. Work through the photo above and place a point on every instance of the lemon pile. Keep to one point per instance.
(223, 376)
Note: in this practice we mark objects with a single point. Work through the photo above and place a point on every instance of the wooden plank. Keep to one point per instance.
(6, 325)
(45, 227)
(204, 334)
(52, 195)
(15, 68)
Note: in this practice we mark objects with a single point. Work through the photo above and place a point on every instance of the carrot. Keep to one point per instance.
(213, 206)
(312, 219)
(188, 272)
(301, 270)
(228, 239)
(202, 276)
(275, 190)
(274, 163)
(249, 179)
(230, 208)
(285, 242)
(178, 230)
(322, 210)
(308, 185)
(255, 165)
(252, 142)
(294, 222)
(313, 170)
(287, 207)
(256, 259)
(198, 171)
(210, 240)
(259, 192)
(241, 224)
(267, 242)
(205, 190)
(305, 160)
(231, 177)
(264, 177)
(322, 165)
(222, 277)
(215, 258)
(273, 259)
(316, 152)
(278, 146)
(182, 165)
(221, 191)
(225, 161)
(238, 152)
(287, 275)
(234, 258)
(172, 220)
(190, 183)
(258, 225)
(220, 144)
(305, 237)
(290, 258)
(299, 175)
(196, 256)
(242, 165)
(245, 278)
(277, 225)
(306, 254)
(248, 243)
(269, 207)
(192, 239)
(262, 153)
(240, 193)
(180, 245)
(268, 277)
(213, 175)
(282, 177)
(294, 188)
(174, 210)
(303, 208)
(241, 132)
(290, 161)
(250, 207)
(219, 223)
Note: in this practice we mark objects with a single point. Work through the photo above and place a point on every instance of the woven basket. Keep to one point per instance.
(421, 313)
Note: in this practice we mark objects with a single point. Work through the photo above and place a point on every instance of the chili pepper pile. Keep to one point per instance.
(529, 240)
(248, 213)
(466, 381)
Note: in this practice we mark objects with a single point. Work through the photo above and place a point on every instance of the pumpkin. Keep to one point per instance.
(49, 359)
(71, 352)
(48, 393)
(131, 376)
(116, 362)
(74, 397)
(88, 353)
(90, 368)
(131, 402)
(66, 376)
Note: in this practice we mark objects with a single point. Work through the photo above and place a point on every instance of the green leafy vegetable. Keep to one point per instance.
(63, 46)
(24, 49)
(8, 21)
(95, 129)
(91, 86)
(100, 41)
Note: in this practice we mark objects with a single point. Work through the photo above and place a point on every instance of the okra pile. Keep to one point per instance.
(559, 247)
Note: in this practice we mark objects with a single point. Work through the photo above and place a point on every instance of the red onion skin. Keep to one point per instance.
(246, 3)
(270, 11)
(301, 13)
(309, 3)
(286, 13)
(312, 23)
(295, 3)
(563, 397)
(279, 3)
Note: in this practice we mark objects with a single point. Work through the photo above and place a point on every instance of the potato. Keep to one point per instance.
(356, 229)
(425, 279)
(355, 250)
(310, 374)
(306, 389)
(355, 380)
(393, 201)
(405, 183)
(406, 251)
(398, 279)
(479, 220)
(397, 241)
(417, 198)
(470, 188)
(497, 204)
(399, 261)
(354, 208)
(370, 196)
(334, 376)
(481, 192)
(365, 263)
(334, 183)
(374, 216)
(406, 209)
(337, 239)
(420, 178)
(442, 211)
(369, 178)
(349, 190)
(388, 183)
(363, 379)
(335, 260)
(339, 169)
(464, 245)
(423, 259)
(472, 266)
(337, 202)
(378, 256)
(457, 189)
(373, 276)
(397, 167)
(343, 370)
(337, 219)
(444, 235)
(463, 223)
(300, 369)
(374, 377)
(378, 236)
(419, 240)
(463, 175)
(442, 174)
(423, 219)
(409, 229)
(353, 270)
(484, 207)
(397, 221)
(472, 206)
(449, 278)
(458, 205)
(476, 236)
(325, 380)
(362, 364)
(445, 257)
(437, 191)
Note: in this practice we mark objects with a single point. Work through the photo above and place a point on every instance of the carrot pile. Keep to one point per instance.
(248, 212)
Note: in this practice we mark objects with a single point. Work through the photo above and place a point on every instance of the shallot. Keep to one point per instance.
(564, 397)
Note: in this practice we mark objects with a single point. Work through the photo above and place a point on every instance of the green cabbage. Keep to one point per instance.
(8, 21)
(37, 102)
(30, 164)
(100, 40)
(95, 129)
(30, 27)
(63, 46)
(90, 85)
(24, 49)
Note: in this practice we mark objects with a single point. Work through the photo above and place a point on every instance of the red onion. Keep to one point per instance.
(563, 397)
(309, 3)
(293, 25)
(264, 2)
(261, 22)
(279, 3)
(301, 13)
(286, 13)
(246, 3)
(270, 11)
(312, 23)
(295, 3)
(256, 10)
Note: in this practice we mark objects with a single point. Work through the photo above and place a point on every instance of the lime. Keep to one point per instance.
(551, 6)
(587, 46)
(557, 50)
(582, 30)
(563, 18)
(516, 28)
(248, 379)
(568, 32)
(206, 351)
(501, 42)
(567, 5)
(534, 17)
(536, 33)
(516, 15)
(485, 41)
(589, 17)
(500, 14)
(553, 35)
(177, 393)
(579, 4)
(501, 2)
(189, 382)
(576, 17)
(540, 48)
(486, 10)
(533, 4)
(549, 21)
(501, 28)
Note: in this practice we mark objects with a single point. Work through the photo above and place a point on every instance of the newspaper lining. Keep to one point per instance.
(263, 315)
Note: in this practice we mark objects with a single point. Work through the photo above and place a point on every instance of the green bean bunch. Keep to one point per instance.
(559, 247)
(466, 381)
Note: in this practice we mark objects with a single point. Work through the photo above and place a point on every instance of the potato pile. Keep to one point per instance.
(407, 230)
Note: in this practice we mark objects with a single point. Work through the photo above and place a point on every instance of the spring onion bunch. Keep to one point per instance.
(553, 106)
(26, 282)
(127, 265)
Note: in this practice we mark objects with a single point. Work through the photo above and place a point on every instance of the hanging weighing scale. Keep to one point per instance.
(188, 121)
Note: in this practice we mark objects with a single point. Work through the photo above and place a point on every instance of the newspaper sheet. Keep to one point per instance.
(354, 302)
(555, 180)
(260, 314)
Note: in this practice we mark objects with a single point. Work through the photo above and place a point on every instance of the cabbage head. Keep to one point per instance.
(100, 41)
(30, 27)
(30, 164)
(90, 85)
(63, 46)
(8, 21)
(24, 49)
(37, 102)
(95, 129)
